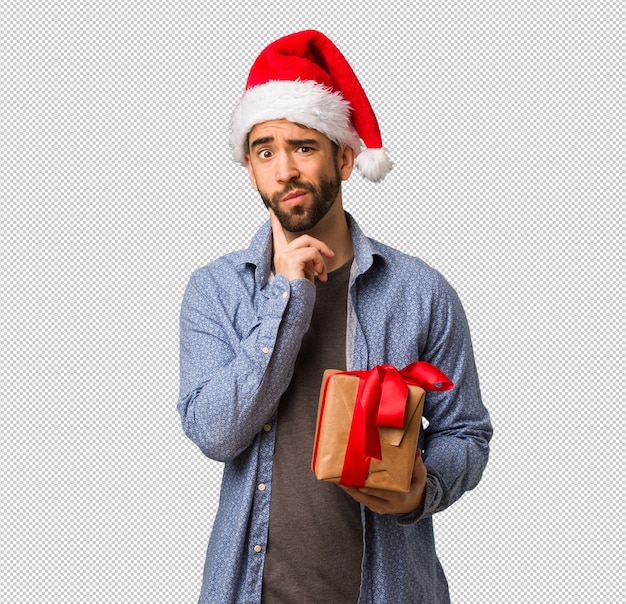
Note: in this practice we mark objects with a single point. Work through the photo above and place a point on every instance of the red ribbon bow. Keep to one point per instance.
(381, 401)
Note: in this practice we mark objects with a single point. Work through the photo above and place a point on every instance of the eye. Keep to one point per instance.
(265, 154)
(304, 149)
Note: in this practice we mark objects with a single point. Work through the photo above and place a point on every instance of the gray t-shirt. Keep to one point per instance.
(315, 544)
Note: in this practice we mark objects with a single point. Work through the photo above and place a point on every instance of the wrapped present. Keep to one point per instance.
(368, 424)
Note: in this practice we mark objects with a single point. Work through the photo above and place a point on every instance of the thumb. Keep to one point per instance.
(418, 467)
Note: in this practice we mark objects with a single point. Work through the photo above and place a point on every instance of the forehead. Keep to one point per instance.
(283, 129)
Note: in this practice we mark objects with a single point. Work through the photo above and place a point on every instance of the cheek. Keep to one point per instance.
(251, 174)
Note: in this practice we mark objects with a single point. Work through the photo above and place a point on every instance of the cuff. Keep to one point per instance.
(432, 497)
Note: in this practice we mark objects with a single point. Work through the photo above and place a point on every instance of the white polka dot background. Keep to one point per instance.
(505, 122)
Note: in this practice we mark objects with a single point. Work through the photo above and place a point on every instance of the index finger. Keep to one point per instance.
(280, 241)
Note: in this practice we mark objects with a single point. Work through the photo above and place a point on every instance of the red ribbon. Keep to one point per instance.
(381, 401)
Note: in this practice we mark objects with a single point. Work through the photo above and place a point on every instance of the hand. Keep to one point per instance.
(382, 501)
(301, 258)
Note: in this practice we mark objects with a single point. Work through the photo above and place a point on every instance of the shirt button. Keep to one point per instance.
(267, 427)
(285, 294)
(265, 349)
(257, 548)
(261, 487)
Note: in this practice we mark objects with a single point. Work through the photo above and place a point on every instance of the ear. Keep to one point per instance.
(250, 171)
(345, 161)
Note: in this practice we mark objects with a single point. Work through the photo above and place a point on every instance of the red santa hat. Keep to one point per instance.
(304, 78)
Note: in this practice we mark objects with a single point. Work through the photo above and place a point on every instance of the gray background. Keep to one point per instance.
(505, 122)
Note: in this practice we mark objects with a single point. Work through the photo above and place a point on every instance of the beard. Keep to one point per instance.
(297, 218)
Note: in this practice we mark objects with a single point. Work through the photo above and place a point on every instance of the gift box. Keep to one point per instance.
(368, 423)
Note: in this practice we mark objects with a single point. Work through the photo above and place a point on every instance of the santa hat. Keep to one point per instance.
(304, 78)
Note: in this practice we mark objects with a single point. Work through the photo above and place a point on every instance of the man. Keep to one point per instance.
(259, 327)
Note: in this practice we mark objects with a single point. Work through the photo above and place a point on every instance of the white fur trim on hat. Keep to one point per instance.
(306, 103)
(373, 164)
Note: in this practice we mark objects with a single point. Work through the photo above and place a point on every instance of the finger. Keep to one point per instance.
(320, 246)
(304, 241)
(278, 235)
(369, 494)
(419, 469)
(380, 494)
(312, 264)
(376, 504)
(320, 269)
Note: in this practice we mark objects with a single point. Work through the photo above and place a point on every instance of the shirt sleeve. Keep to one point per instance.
(231, 379)
(456, 446)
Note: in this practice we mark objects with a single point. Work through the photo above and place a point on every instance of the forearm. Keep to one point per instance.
(453, 468)
(450, 480)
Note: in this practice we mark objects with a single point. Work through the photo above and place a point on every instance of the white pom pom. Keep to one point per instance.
(373, 164)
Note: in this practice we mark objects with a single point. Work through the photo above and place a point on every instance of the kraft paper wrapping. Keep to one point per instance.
(334, 419)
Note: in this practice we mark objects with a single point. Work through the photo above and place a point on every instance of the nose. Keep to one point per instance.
(286, 167)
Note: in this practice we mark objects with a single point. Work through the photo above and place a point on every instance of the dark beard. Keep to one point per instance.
(298, 219)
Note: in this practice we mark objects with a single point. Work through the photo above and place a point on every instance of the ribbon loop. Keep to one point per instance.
(393, 396)
(426, 376)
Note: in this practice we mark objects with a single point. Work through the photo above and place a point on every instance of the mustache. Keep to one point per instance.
(274, 200)
(292, 186)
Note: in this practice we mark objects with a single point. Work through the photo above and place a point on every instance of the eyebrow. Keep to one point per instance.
(294, 142)
(261, 141)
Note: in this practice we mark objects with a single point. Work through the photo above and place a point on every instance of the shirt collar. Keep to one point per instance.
(259, 253)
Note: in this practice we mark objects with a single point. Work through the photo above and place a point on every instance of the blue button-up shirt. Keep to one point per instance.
(241, 330)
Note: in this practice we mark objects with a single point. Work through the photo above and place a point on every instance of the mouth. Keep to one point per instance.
(294, 197)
